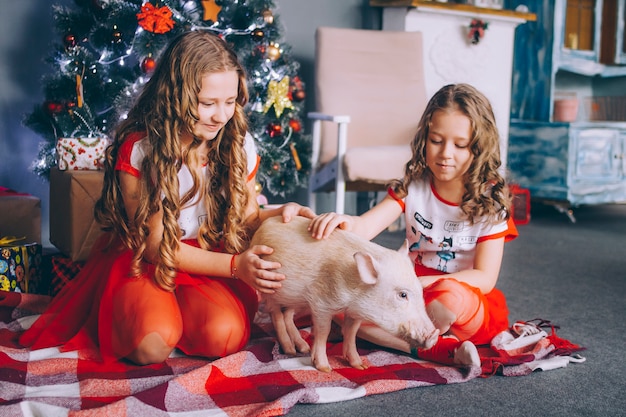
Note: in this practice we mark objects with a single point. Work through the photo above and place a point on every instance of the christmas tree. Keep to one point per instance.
(107, 49)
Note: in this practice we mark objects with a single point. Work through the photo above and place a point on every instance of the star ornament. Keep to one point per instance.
(278, 96)
(211, 10)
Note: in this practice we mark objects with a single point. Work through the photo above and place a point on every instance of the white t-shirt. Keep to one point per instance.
(193, 214)
(438, 236)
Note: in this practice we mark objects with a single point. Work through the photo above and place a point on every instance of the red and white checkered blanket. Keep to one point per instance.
(258, 381)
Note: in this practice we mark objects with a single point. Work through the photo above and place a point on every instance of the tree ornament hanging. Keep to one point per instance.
(297, 89)
(295, 156)
(295, 125)
(211, 10)
(148, 65)
(69, 41)
(278, 96)
(274, 130)
(273, 52)
(52, 107)
(268, 16)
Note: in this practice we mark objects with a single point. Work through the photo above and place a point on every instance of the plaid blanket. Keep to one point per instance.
(258, 381)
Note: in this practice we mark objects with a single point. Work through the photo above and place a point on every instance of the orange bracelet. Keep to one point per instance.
(233, 268)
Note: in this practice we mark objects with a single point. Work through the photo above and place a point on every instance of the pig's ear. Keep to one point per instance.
(368, 267)
(404, 249)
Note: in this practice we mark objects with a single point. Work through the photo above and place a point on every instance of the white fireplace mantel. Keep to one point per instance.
(449, 55)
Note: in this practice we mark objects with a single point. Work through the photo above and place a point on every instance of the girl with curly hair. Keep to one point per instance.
(178, 206)
(457, 211)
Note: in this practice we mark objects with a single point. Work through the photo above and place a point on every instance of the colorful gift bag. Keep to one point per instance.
(20, 267)
(81, 153)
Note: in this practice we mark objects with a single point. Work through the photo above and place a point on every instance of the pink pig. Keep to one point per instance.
(342, 274)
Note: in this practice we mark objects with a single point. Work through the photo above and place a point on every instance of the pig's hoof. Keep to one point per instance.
(322, 367)
(357, 363)
(360, 366)
(303, 348)
(326, 369)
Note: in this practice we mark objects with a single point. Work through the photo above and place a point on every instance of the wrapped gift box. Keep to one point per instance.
(20, 215)
(81, 153)
(20, 268)
(521, 204)
(73, 195)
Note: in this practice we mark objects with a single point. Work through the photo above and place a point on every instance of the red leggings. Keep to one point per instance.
(206, 319)
(105, 311)
(479, 317)
(204, 316)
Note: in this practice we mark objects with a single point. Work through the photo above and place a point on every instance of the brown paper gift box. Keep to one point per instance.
(73, 195)
(20, 216)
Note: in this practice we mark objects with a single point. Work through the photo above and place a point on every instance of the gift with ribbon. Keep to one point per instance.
(20, 266)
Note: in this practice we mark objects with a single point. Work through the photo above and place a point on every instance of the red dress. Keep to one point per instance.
(104, 313)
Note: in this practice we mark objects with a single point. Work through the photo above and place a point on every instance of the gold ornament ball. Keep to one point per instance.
(273, 52)
(258, 188)
(268, 16)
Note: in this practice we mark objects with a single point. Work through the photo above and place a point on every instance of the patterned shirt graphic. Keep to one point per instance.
(438, 236)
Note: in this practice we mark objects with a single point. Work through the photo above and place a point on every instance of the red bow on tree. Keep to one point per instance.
(156, 20)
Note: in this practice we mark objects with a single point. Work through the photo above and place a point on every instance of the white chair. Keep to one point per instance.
(369, 97)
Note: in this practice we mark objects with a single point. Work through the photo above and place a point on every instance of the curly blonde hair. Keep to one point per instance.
(167, 108)
(486, 193)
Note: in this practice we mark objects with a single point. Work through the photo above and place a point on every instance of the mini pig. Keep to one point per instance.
(342, 274)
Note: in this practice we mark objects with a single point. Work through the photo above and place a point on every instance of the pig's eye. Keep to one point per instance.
(403, 294)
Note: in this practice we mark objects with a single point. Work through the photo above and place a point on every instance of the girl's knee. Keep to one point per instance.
(147, 341)
(151, 349)
(462, 303)
(218, 337)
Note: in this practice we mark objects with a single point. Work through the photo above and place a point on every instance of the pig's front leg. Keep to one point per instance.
(282, 334)
(294, 334)
(350, 353)
(321, 330)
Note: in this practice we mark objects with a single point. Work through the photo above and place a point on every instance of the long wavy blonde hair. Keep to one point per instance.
(486, 193)
(167, 108)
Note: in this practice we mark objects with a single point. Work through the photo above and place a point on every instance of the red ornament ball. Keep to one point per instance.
(69, 41)
(274, 129)
(295, 125)
(148, 65)
(53, 107)
(299, 95)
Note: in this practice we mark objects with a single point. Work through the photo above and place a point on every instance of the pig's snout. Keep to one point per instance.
(422, 337)
(430, 340)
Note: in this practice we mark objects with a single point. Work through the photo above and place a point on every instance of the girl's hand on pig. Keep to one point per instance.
(291, 210)
(323, 225)
(257, 272)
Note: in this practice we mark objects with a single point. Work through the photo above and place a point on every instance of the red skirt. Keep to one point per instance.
(104, 313)
(480, 316)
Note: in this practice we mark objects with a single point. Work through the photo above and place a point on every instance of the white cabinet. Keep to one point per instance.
(451, 57)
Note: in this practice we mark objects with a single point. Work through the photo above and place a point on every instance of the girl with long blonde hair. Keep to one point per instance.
(173, 269)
